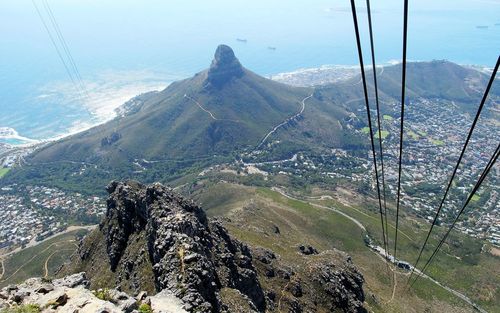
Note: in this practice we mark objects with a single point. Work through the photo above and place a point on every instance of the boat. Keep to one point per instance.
(241, 40)
(271, 48)
(482, 26)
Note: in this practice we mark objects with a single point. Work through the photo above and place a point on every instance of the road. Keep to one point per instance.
(381, 252)
(291, 118)
(355, 221)
(46, 265)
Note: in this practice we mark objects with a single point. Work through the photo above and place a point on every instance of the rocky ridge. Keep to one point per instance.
(154, 240)
(189, 255)
(225, 66)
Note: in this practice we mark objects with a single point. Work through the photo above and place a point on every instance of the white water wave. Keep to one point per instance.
(11, 133)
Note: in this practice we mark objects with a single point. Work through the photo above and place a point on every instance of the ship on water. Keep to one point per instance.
(482, 26)
(271, 48)
(241, 40)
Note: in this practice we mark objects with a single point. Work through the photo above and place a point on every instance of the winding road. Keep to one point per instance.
(46, 265)
(291, 118)
(382, 253)
(355, 221)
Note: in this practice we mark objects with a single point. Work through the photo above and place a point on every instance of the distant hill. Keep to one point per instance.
(217, 114)
(217, 111)
(228, 112)
(438, 79)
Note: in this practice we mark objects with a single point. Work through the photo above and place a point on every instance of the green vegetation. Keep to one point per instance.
(102, 294)
(27, 308)
(186, 127)
(41, 260)
(422, 133)
(461, 265)
(4, 171)
(383, 133)
(475, 198)
(413, 135)
(388, 117)
(145, 308)
(437, 142)
(98, 266)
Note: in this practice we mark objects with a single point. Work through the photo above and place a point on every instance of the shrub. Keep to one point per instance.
(145, 308)
(27, 308)
(103, 294)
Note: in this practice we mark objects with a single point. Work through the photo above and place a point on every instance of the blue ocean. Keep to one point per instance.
(123, 48)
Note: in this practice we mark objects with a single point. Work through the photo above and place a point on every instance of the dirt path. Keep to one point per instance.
(207, 111)
(291, 118)
(32, 258)
(359, 224)
(346, 203)
(394, 285)
(355, 221)
(46, 267)
(3, 269)
(34, 243)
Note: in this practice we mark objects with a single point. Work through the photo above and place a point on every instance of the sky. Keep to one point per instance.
(181, 35)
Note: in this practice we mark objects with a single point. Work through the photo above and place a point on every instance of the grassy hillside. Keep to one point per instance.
(254, 212)
(191, 124)
(3, 172)
(42, 260)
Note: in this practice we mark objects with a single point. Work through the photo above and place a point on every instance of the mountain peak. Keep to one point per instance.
(224, 67)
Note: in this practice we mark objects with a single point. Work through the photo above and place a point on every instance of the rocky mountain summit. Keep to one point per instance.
(225, 66)
(153, 240)
(180, 250)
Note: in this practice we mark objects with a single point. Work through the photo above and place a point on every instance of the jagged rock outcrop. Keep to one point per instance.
(111, 139)
(71, 294)
(190, 256)
(326, 282)
(342, 284)
(225, 66)
(154, 240)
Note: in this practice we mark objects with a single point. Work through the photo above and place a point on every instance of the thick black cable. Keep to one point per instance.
(488, 167)
(375, 83)
(365, 90)
(481, 105)
(403, 90)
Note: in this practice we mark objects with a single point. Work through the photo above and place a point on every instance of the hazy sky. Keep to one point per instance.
(179, 33)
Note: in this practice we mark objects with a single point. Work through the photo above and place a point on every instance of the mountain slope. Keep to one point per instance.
(228, 112)
(214, 116)
(436, 79)
(217, 111)
(152, 239)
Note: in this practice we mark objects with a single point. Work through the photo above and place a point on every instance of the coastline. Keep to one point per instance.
(331, 73)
